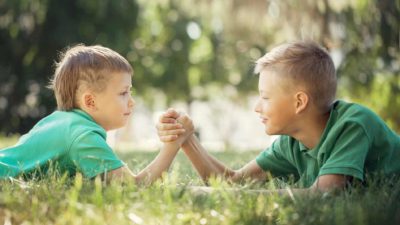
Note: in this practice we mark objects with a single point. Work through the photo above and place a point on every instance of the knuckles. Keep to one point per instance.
(165, 124)
(184, 119)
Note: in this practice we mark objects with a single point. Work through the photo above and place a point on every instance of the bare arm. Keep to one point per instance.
(151, 172)
(158, 166)
(330, 182)
(205, 164)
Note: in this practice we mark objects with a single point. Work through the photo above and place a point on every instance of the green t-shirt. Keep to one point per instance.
(355, 142)
(70, 141)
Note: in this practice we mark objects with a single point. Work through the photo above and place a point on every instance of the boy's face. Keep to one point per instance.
(114, 105)
(276, 103)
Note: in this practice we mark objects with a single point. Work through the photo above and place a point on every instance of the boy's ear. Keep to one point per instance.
(88, 100)
(301, 101)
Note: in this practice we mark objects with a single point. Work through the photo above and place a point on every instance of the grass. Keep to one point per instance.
(6, 141)
(60, 200)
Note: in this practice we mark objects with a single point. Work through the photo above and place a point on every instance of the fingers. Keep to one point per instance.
(171, 113)
(184, 119)
(170, 132)
(168, 126)
(166, 120)
(170, 129)
(169, 116)
(169, 138)
(173, 126)
(186, 122)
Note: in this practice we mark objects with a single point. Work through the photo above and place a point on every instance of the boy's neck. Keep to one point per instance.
(92, 115)
(312, 129)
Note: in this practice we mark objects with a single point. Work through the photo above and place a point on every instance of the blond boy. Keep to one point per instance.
(92, 86)
(324, 143)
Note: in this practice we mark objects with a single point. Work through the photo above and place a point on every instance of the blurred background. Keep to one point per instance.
(198, 56)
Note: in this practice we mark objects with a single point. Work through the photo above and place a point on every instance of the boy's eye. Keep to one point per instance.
(124, 93)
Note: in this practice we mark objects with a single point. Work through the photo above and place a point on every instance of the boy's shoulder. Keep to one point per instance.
(345, 111)
(73, 116)
(70, 123)
(357, 118)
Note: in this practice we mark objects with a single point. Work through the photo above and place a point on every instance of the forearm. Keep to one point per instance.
(159, 165)
(205, 164)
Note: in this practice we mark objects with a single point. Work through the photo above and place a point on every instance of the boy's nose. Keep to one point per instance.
(132, 102)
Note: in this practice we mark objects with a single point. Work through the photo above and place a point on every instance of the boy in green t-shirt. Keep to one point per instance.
(92, 86)
(324, 143)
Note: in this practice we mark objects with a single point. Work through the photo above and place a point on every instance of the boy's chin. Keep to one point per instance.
(121, 126)
(269, 132)
(117, 126)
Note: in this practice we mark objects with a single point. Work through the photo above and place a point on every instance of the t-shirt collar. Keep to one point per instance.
(83, 114)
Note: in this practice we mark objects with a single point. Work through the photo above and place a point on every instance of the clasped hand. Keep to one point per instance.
(174, 126)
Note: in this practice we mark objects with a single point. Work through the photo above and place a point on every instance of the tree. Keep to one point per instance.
(182, 52)
(31, 34)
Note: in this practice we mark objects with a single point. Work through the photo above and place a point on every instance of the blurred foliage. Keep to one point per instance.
(370, 72)
(185, 52)
(191, 50)
(31, 35)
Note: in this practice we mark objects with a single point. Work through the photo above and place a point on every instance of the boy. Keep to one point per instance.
(324, 143)
(92, 86)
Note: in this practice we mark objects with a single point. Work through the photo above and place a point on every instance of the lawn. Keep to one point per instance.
(60, 200)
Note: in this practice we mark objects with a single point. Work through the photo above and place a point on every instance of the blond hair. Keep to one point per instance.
(84, 66)
(305, 63)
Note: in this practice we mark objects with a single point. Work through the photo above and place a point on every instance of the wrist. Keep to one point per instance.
(172, 146)
(189, 141)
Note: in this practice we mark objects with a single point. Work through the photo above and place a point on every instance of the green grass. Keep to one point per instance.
(8, 141)
(59, 200)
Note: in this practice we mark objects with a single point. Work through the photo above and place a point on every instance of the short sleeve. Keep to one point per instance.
(92, 156)
(273, 161)
(349, 153)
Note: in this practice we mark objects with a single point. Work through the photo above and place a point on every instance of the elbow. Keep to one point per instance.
(330, 183)
(234, 176)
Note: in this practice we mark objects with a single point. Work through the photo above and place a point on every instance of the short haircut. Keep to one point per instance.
(305, 63)
(84, 66)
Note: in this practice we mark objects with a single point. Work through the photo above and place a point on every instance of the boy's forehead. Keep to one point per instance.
(122, 78)
(267, 77)
(271, 81)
